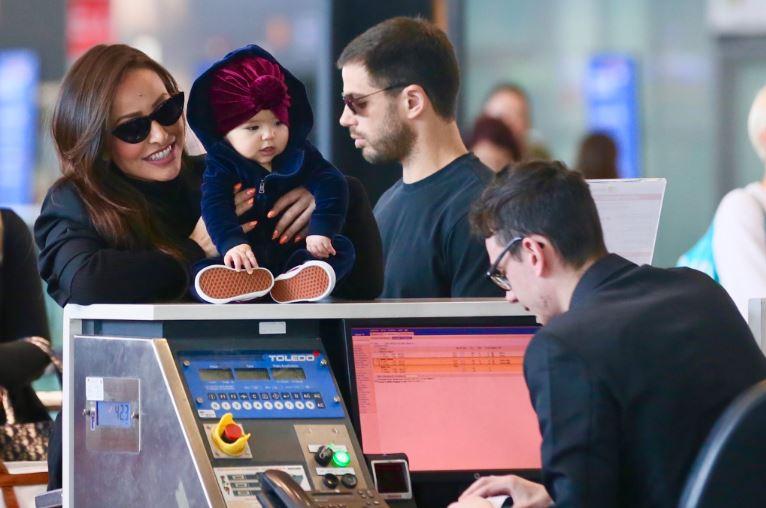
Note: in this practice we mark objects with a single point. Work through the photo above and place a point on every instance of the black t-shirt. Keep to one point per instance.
(428, 246)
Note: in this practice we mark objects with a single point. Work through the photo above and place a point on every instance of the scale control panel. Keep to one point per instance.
(261, 384)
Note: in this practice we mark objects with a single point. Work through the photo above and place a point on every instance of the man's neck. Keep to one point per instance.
(437, 144)
(565, 287)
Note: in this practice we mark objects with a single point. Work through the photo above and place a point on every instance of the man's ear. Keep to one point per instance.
(415, 100)
(540, 253)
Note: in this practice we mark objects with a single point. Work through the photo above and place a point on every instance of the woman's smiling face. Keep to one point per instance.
(158, 157)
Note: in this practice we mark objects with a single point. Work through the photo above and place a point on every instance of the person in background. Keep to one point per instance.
(400, 86)
(597, 157)
(493, 143)
(24, 335)
(633, 364)
(510, 103)
(739, 225)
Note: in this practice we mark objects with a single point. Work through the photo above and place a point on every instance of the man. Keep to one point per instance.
(400, 85)
(509, 102)
(739, 236)
(633, 365)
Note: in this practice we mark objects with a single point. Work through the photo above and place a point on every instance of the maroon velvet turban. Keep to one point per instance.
(243, 87)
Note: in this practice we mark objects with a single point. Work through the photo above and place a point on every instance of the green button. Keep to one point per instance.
(341, 459)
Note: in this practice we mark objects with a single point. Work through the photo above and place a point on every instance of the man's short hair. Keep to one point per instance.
(543, 198)
(405, 50)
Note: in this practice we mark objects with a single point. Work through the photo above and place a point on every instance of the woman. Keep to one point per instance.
(24, 346)
(494, 143)
(597, 157)
(123, 223)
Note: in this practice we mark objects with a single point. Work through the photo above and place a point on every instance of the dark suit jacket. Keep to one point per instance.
(628, 383)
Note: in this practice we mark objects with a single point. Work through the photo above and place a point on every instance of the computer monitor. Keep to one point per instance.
(448, 393)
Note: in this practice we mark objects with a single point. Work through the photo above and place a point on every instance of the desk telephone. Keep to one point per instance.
(279, 490)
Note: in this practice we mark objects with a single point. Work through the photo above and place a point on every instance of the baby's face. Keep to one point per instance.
(261, 138)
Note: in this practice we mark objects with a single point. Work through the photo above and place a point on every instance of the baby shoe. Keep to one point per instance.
(311, 281)
(221, 284)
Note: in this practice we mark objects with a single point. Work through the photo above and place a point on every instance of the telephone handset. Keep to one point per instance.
(279, 490)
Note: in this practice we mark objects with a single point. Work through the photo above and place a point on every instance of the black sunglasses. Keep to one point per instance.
(167, 113)
(494, 273)
(353, 102)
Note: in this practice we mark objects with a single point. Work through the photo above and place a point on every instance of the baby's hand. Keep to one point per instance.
(319, 246)
(241, 257)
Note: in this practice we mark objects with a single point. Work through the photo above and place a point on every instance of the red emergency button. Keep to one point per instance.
(231, 433)
(228, 437)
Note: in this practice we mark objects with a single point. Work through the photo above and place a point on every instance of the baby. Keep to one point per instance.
(253, 118)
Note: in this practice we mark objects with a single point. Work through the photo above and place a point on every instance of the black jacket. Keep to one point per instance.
(628, 383)
(22, 314)
(81, 267)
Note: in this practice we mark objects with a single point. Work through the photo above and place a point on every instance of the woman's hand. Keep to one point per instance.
(201, 236)
(243, 201)
(296, 208)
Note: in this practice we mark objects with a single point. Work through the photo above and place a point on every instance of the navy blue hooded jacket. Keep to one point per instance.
(300, 164)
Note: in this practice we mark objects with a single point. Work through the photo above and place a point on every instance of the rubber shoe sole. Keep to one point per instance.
(221, 284)
(308, 282)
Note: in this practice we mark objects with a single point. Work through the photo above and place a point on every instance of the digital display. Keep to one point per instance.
(216, 375)
(288, 374)
(421, 390)
(250, 374)
(113, 414)
(391, 477)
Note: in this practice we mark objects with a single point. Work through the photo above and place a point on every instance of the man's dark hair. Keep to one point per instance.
(543, 198)
(409, 51)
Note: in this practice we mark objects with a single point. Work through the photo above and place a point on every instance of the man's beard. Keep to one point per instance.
(395, 142)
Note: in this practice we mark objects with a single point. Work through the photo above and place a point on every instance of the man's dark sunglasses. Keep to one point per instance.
(353, 102)
(494, 273)
(167, 113)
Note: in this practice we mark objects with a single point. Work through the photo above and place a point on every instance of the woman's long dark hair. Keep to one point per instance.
(80, 127)
(597, 157)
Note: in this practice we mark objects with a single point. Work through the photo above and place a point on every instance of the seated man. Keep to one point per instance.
(633, 365)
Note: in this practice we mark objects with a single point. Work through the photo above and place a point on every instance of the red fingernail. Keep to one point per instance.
(237, 186)
(271, 214)
(283, 240)
(275, 235)
(297, 238)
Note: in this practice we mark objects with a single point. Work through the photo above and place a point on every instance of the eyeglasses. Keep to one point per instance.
(167, 113)
(353, 102)
(494, 273)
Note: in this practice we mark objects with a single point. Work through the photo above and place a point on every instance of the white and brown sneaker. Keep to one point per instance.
(221, 284)
(311, 281)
